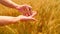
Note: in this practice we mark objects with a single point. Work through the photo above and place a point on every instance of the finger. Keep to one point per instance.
(27, 5)
(34, 13)
(27, 18)
(34, 19)
(29, 11)
(25, 12)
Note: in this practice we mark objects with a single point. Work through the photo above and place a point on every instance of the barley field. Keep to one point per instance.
(48, 18)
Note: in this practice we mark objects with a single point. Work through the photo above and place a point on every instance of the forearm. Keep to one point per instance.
(4, 20)
(9, 3)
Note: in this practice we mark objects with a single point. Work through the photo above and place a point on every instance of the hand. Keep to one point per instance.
(25, 10)
(25, 18)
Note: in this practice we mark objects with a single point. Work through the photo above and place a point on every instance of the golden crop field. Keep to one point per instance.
(48, 18)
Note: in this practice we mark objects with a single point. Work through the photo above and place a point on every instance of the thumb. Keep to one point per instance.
(34, 19)
(34, 13)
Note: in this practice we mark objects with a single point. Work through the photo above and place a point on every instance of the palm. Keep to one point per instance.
(22, 17)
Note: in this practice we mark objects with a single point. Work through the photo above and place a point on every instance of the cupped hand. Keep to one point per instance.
(25, 18)
(26, 10)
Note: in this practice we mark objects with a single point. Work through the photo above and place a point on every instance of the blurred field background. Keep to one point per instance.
(48, 18)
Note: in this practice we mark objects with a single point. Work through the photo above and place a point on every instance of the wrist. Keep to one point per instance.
(17, 6)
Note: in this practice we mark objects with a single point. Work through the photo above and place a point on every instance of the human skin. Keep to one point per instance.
(24, 9)
(5, 20)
